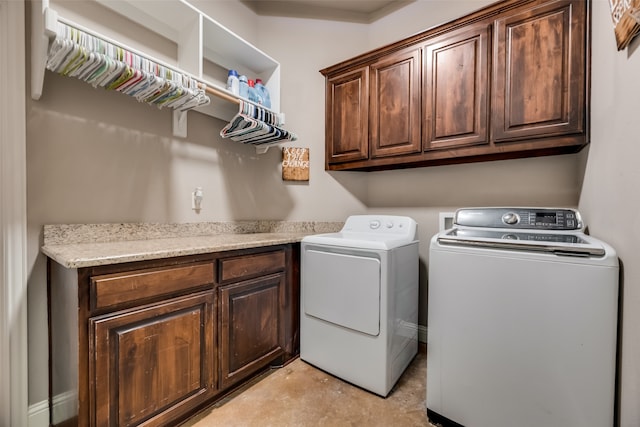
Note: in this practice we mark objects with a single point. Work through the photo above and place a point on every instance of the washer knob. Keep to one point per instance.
(389, 224)
(510, 218)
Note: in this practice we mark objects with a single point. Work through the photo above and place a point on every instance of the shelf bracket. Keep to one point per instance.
(44, 21)
(180, 123)
(261, 149)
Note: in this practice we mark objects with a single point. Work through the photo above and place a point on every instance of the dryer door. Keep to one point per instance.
(343, 288)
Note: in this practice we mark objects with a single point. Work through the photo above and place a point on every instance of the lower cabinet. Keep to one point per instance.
(153, 363)
(152, 342)
(251, 326)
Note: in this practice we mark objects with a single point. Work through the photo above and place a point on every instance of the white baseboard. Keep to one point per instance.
(422, 333)
(39, 414)
(64, 407)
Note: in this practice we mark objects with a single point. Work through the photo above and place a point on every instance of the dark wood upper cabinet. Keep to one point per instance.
(456, 87)
(539, 75)
(395, 104)
(507, 81)
(347, 116)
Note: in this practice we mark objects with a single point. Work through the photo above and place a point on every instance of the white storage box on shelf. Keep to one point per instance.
(206, 49)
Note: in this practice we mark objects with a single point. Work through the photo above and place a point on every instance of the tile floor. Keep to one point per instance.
(302, 396)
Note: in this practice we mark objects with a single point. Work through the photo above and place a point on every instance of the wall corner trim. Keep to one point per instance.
(13, 217)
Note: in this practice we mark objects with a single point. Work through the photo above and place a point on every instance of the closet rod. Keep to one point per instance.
(215, 92)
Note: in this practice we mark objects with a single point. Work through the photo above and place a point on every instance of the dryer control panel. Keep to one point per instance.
(521, 218)
(385, 226)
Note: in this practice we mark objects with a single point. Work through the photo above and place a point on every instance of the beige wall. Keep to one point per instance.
(421, 193)
(417, 17)
(609, 198)
(95, 156)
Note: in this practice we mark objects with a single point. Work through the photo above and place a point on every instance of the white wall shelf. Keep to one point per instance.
(206, 49)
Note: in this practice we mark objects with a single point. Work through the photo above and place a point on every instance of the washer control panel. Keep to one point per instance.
(525, 218)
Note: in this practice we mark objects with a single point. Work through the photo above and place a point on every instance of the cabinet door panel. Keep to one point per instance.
(395, 104)
(251, 326)
(347, 116)
(456, 86)
(151, 364)
(539, 72)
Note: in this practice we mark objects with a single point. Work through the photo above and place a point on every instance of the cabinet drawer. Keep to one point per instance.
(114, 289)
(247, 266)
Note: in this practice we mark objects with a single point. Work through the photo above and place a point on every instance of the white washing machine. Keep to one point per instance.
(522, 321)
(359, 300)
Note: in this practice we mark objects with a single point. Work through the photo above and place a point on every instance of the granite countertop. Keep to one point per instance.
(89, 245)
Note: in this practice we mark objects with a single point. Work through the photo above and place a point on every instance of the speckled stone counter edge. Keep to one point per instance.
(65, 234)
(89, 245)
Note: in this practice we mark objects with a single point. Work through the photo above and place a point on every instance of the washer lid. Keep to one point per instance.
(382, 232)
(560, 243)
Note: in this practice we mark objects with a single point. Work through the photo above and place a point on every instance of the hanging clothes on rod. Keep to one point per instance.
(75, 53)
(256, 125)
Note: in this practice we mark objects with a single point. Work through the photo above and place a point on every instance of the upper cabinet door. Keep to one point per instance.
(456, 86)
(347, 116)
(539, 72)
(395, 104)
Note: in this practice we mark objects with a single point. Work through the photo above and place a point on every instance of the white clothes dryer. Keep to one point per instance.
(522, 321)
(359, 300)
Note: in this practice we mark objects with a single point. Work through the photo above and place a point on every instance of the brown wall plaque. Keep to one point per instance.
(295, 164)
(625, 15)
